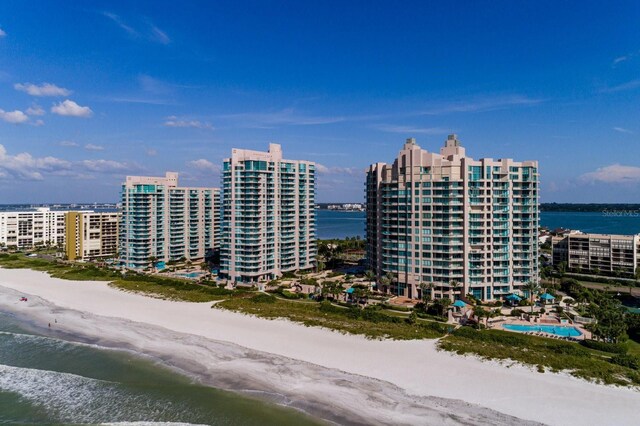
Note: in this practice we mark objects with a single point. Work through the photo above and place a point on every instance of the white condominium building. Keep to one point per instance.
(28, 229)
(164, 222)
(268, 215)
(449, 225)
(91, 235)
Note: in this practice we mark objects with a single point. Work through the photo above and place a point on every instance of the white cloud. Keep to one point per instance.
(411, 130)
(25, 166)
(71, 109)
(615, 173)
(2, 33)
(14, 117)
(38, 123)
(151, 152)
(45, 89)
(68, 144)
(622, 130)
(350, 171)
(35, 110)
(107, 166)
(620, 59)
(204, 165)
(92, 147)
(173, 121)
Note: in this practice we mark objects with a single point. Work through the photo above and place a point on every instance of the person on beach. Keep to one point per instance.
(49, 325)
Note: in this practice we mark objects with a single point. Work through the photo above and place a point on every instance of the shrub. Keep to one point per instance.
(516, 312)
(263, 298)
(625, 360)
(614, 348)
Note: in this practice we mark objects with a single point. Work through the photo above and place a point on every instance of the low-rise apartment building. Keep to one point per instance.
(28, 229)
(597, 253)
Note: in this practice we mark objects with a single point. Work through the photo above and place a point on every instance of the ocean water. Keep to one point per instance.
(336, 224)
(46, 380)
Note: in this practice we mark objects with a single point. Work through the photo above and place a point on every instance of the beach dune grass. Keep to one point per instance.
(540, 352)
(165, 288)
(368, 322)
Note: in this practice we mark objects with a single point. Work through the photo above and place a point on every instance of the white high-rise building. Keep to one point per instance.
(164, 222)
(447, 224)
(28, 229)
(268, 215)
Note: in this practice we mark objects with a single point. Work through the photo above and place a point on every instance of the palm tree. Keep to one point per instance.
(531, 287)
(423, 288)
(370, 276)
(390, 277)
(455, 286)
(153, 260)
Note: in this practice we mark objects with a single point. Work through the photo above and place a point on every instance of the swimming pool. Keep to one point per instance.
(190, 275)
(550, 329)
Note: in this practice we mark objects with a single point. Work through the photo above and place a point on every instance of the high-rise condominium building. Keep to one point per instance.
(268, 217)
(91, 235)
(164, 222)
(447, 224)
(28, 229)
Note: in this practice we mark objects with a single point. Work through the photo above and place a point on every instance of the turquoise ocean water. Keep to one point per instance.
(335, 224)
(46, 380)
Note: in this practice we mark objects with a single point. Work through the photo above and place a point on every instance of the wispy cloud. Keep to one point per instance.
(151, 152)
(482, 104)
(2, 33)
(410, 130)
(615, 173)
(173, 121)
(622, 130)
(71, 109)
(287, 116)
(144, 29)
(13, 117)
(69, 144)
(44, 89)
(350, 171)
(35, 110)
(630, 85)
(119, 22)
(204, 165)
(92, 147)
(138, 100)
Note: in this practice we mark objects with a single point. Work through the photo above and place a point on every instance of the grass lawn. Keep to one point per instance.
(541, 352)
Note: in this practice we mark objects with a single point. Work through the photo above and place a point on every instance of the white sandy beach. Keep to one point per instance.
(382, 382)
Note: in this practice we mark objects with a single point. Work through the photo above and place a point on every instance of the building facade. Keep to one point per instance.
(91, 235)
(28, 229)
(268, 215)
(162, 222)
(449, 225)
(597, 253)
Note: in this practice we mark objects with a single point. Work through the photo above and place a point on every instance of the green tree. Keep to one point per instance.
(480, 313)
(531, 288)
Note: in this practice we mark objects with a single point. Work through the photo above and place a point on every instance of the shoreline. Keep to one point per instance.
(362, 381)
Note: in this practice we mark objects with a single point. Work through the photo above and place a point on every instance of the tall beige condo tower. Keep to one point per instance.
(268, 215)
(164, 222)
(449, 225)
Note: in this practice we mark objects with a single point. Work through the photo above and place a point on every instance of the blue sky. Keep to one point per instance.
(93, 91)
